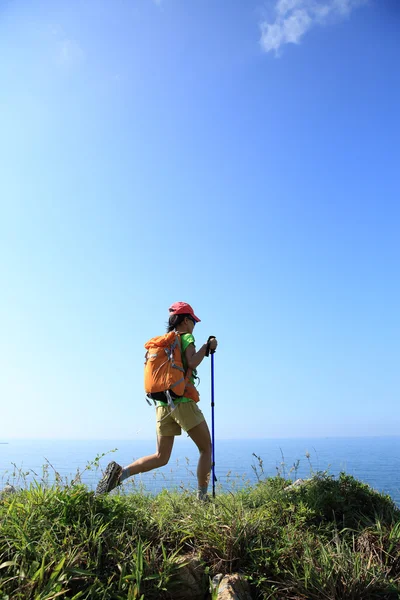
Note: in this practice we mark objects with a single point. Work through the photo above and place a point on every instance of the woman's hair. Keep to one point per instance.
(175, 320)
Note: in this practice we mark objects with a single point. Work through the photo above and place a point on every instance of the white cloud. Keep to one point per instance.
(67, 51)
(70, 53)
(293, 18)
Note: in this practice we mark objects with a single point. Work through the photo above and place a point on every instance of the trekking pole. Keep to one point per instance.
(214, 479)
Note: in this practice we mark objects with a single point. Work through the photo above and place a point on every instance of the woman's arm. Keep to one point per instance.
(193, 358)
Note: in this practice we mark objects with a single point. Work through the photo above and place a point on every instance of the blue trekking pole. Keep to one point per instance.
(214, 479)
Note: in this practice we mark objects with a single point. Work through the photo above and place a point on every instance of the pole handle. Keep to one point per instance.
(211, 337)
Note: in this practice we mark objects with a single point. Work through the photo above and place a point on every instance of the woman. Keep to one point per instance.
(185, 414)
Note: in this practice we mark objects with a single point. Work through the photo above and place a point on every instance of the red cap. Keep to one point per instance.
(182, 308)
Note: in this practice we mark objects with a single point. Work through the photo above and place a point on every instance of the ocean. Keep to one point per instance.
(373, 460)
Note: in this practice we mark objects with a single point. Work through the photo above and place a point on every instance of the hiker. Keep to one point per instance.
(172, 417)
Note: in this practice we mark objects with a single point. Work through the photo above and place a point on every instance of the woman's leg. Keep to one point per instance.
(153, 461)
(201, 437)
(115, 474)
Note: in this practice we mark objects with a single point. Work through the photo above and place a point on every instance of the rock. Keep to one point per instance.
(298, 483)
(8, 489)
(216, 580)
(191, 581)
(233, 587)
(294, 485)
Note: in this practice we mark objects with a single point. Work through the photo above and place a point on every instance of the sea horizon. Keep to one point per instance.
(374, 460)
(149, 439)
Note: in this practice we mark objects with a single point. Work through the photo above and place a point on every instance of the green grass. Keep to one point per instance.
(330, 539)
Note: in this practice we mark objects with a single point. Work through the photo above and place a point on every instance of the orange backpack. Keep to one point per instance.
(164, 374)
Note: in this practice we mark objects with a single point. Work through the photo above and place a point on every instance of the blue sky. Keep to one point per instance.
(239, 156)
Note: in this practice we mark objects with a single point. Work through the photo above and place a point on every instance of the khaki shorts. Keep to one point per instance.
(185, 415)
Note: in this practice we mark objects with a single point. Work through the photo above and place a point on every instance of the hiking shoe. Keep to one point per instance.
(203, 498)
(110, 479)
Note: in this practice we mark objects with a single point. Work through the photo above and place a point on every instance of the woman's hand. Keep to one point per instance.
(212, 344)
(193, 358)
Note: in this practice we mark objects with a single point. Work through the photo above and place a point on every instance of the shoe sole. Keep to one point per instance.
(109, 479)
